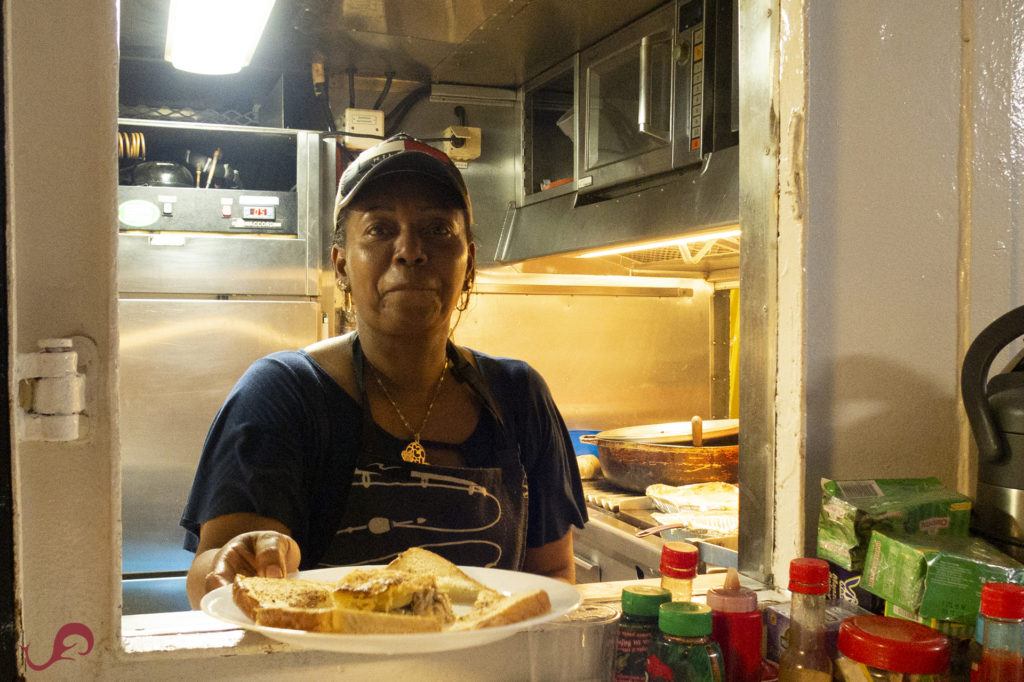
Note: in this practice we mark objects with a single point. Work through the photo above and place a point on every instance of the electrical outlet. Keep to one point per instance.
(470, 147)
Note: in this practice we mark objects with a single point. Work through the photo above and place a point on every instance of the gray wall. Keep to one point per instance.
(913, 224)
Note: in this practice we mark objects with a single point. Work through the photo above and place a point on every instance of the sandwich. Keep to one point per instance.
(366, 601)
(459, 587)
(414, 593)
(490, 607)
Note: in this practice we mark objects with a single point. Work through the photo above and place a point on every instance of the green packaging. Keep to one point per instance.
(852, 510)
(936, 577)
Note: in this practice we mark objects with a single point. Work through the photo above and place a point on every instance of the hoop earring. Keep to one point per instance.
(346, 298)
(463, 302)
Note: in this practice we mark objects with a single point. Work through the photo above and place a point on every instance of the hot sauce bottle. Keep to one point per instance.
(736, 625)
(805, 659)
(1002, 648)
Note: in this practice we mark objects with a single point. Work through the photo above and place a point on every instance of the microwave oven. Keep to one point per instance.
(659, 95)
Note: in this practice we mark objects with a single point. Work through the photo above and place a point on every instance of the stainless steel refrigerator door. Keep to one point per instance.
(194, 264)
(178, 361)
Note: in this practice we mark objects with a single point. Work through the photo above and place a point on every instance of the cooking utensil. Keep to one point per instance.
(213, 167)
(636, 465)
(218, 173)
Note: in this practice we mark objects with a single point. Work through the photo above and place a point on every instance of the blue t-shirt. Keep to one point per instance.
(288, 437)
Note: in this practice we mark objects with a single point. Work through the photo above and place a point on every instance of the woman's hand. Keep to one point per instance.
(240, 544)
(263, 553)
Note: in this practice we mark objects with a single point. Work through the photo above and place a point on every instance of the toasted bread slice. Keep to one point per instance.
(491, 611)
(451, 580)
(286, 603)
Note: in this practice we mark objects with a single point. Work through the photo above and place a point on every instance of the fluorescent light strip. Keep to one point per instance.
(215, 37)
(676, 241)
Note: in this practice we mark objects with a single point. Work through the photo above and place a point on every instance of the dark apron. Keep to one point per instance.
(472, 516)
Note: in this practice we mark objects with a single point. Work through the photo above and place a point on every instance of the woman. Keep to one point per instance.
(459, 452)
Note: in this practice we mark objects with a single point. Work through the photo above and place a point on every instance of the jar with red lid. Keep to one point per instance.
(679, 568)
(891, 649)
(1002, 624)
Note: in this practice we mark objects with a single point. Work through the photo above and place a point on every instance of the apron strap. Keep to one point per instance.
(465, 372)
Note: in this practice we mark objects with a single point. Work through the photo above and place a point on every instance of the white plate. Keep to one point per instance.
(564, 599)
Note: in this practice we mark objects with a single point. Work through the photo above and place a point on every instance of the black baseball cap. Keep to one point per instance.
(400, 154)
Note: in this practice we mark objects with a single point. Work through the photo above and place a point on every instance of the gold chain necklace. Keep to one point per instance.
(414, 451)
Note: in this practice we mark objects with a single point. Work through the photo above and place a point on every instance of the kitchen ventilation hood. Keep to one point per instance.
(693, 200)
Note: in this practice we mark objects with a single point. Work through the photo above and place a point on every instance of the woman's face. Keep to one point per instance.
(406, 255)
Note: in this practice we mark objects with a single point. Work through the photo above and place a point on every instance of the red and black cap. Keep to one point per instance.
(400, 154)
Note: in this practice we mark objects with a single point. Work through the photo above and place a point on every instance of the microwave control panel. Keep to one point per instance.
(691, 56)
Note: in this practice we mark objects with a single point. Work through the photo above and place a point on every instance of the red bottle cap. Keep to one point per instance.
(894, 644)
(1002, 600)
(808, 576)
(679, 560)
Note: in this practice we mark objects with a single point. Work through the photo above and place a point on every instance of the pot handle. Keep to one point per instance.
(589, 439)
(974, 378)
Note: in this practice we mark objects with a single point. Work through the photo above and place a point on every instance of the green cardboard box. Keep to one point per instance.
(851, 510)
(936, 577)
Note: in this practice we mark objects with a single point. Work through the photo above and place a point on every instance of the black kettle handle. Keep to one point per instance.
(974, 378)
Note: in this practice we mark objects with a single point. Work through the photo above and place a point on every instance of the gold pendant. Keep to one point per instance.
(415, 453)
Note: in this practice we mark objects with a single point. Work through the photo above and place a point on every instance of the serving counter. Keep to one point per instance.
(576, 647)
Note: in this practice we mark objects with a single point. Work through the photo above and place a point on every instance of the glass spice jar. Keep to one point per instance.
(682, 650)
(637, 625)
(679, 568)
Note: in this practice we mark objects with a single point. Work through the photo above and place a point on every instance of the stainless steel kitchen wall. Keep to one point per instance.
(179, 359)
(621, 357)
(195, 310)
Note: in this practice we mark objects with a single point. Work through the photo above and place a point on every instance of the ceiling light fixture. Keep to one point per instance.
(667, 243)
(214, 37)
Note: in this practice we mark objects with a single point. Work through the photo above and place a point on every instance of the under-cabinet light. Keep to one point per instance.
(667, 243)
(215, 37)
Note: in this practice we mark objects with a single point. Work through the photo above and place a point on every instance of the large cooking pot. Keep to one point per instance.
(636, 457)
